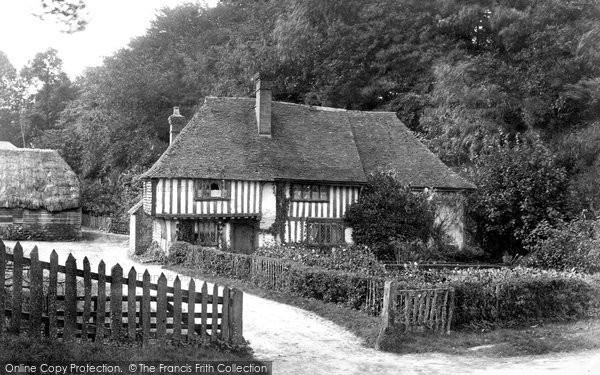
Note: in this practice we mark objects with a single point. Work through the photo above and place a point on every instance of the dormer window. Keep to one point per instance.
(211, 190)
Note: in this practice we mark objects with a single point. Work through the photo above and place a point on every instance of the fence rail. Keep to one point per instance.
(146, 311)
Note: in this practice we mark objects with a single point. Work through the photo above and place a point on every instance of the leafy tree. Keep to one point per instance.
(10, 125)
(388, 212)
(520, 184)
(50, 91)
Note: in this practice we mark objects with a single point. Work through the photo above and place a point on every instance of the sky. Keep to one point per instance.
(112, 24)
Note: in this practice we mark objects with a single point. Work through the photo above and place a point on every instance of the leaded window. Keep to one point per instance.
(211, 190)
(325, 232)
(310, 193)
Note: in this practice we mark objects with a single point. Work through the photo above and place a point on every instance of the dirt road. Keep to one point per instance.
(300, 342)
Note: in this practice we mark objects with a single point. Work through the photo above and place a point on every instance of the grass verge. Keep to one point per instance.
(20, 349)
(503, 342)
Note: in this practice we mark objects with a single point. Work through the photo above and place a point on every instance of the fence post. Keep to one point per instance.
(177, 309)
(70, 299)
(2, 278)
(444, 311)
(215, 313)
(161, 309)
(191, 320)
(236, 316)
(52, 285)
(17, 297)
(87, 298)
(390, 291)
(36, 294)
(451, 310)
(225, 315)
(145, 313)
(131, 289)
(203, 312)
(116, 301)
(101, 304)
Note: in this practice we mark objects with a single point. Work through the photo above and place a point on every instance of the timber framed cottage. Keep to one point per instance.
(247, 171)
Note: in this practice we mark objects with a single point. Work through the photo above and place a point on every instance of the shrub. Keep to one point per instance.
(389, 211)
(573, 246)
(154, 253)
(510, 297)
(520, 184)
(498, 297)
(351, 258)
(417, 251)
(177, 253)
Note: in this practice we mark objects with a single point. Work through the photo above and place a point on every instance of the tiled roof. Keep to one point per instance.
(308, 143)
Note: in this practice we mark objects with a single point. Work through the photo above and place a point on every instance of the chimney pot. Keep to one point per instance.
(176, 124)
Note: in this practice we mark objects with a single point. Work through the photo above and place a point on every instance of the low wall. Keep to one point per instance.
(24, 224)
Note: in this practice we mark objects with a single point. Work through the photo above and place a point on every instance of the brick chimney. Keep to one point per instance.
(176, 123)
(263, 104)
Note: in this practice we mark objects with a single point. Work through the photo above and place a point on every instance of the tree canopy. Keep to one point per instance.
(460, 73)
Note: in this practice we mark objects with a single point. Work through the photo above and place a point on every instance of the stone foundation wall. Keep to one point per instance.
(44, 232)
(24, 224)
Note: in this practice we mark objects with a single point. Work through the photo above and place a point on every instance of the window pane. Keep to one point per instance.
(224, 189)
(306, 191)
(297, 192)
(215, 190)
(315, 193)
(323, 193)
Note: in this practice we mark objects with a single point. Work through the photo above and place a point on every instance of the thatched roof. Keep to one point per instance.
(308, 143)
(7, 146)
(34, 179)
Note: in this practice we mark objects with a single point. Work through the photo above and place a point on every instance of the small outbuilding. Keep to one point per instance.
(40, 196)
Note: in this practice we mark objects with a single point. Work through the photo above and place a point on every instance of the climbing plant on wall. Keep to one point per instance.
(282, 206)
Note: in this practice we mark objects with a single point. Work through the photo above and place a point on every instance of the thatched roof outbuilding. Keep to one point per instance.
(36, 179)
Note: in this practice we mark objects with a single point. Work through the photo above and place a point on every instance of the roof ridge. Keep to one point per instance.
(17, 149)
(315, 107)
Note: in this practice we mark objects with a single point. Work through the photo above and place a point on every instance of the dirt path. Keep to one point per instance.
(300, 342)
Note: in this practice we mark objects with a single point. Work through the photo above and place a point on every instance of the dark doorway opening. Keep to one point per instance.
(243, 237)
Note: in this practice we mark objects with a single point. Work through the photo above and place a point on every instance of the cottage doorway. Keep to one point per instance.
(243, 237)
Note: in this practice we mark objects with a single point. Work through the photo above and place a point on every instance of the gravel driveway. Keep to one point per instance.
(300, 342)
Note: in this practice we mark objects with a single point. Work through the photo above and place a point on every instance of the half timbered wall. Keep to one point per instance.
(340, 197)
(175, 197)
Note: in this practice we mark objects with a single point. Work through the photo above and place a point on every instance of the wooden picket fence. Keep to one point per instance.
(374, 298)
(417, 309)
(269, 272)
(152, 312)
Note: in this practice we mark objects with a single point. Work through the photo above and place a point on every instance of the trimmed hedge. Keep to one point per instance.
(519, 296)
(506, 297)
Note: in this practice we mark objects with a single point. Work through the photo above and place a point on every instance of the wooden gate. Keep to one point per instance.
(417, 309)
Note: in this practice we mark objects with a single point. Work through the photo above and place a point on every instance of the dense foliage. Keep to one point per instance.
(354, 258)
(504, 297)
(388, 212)
(509, 297)
(520, 184)
(568, 246)
(460, 73)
